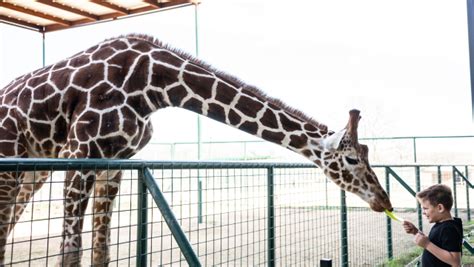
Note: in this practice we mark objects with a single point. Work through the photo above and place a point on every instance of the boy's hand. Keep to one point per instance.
(421, 240)
(410, 228)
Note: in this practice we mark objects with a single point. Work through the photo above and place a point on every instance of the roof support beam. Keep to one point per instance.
(153, 3)
(68, 8)
(119, 9)
(34, 13)
(17, 22)
(179, 2)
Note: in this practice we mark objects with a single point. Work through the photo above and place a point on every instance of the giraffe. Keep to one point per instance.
(97, 104)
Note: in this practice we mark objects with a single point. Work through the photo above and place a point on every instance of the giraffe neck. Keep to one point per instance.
(201, 89)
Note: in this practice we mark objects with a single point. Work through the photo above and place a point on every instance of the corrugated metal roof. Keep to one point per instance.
(52, 15)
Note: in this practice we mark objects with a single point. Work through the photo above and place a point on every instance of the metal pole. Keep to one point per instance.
(199, 139)
(142, 220)
(439, 174)
(245, 150)
(414, 149)
(454, 193)
(44, 50)
(271, 217)
(196, 34)
(326, 181)
(172, 150)
(418, 206)
(470, 30)
(344, 241)
(467, 193)
(199, 198)
(389, 221)
(325, 263)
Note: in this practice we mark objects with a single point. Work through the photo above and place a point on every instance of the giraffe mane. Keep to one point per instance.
(225, 76)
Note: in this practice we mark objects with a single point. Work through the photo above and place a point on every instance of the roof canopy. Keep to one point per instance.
(53, 15)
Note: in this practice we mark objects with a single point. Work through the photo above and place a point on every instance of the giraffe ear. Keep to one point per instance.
(332, 142)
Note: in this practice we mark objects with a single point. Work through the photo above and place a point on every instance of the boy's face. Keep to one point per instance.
(432, 213)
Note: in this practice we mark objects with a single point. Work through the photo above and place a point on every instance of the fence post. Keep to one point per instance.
(199, 197)
(271, 217)
(173, 150)
(389, 221)
(325, 263)
(467, 193)
(418, 206)
(245, 150)
(344, 241)
(142, 221)
(454, 193)
(439, 174)
(414, 150)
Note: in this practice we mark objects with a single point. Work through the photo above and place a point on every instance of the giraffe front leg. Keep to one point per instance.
(77, 189)
(106, 189)
(9, 187)
(32, 182)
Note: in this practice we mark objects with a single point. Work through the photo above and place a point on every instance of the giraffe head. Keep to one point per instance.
(345, 161)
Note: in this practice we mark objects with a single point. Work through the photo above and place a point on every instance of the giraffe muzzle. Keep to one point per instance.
(380, 203)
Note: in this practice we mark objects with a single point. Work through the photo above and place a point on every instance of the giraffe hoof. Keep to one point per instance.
(70, 257)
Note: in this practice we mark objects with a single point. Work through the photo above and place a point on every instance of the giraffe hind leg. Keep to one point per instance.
(9, 187)
(105, 191)
(32, 182)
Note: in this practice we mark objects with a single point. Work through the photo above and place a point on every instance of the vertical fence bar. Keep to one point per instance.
(454, 193)
(439, 174)
(173, 150)
(467, 193)
(325, 263)
(389, 221)
(326, 181)
(414, 150)
(142, 229)
(344, 241)
(271, 217)
(44, 49)
(199, 198)
(418, 206)
(245, 150)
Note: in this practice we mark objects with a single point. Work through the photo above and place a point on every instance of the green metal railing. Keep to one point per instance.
(250, 213)
(412, 148)
(415, 139)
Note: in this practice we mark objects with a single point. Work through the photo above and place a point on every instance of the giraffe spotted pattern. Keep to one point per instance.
(98, 103)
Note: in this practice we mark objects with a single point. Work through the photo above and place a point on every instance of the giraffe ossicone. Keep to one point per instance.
(98, 103)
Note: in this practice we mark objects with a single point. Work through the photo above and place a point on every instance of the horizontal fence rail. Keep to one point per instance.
(401, 149)
(230, 213)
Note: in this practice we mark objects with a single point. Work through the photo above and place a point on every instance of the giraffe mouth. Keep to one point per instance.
(380, 204)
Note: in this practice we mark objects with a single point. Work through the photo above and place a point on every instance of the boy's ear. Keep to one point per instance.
(440, 208)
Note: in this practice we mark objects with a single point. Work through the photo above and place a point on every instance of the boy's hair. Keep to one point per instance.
(437, 194)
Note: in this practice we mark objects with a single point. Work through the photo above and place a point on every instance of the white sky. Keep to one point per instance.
(404, 64)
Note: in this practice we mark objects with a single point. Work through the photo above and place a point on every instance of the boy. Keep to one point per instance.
(443, 245)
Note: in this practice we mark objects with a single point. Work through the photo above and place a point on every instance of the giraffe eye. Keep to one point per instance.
(351, 161)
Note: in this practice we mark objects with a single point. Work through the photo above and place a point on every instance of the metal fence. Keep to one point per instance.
(400, 149)
(232, 214)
